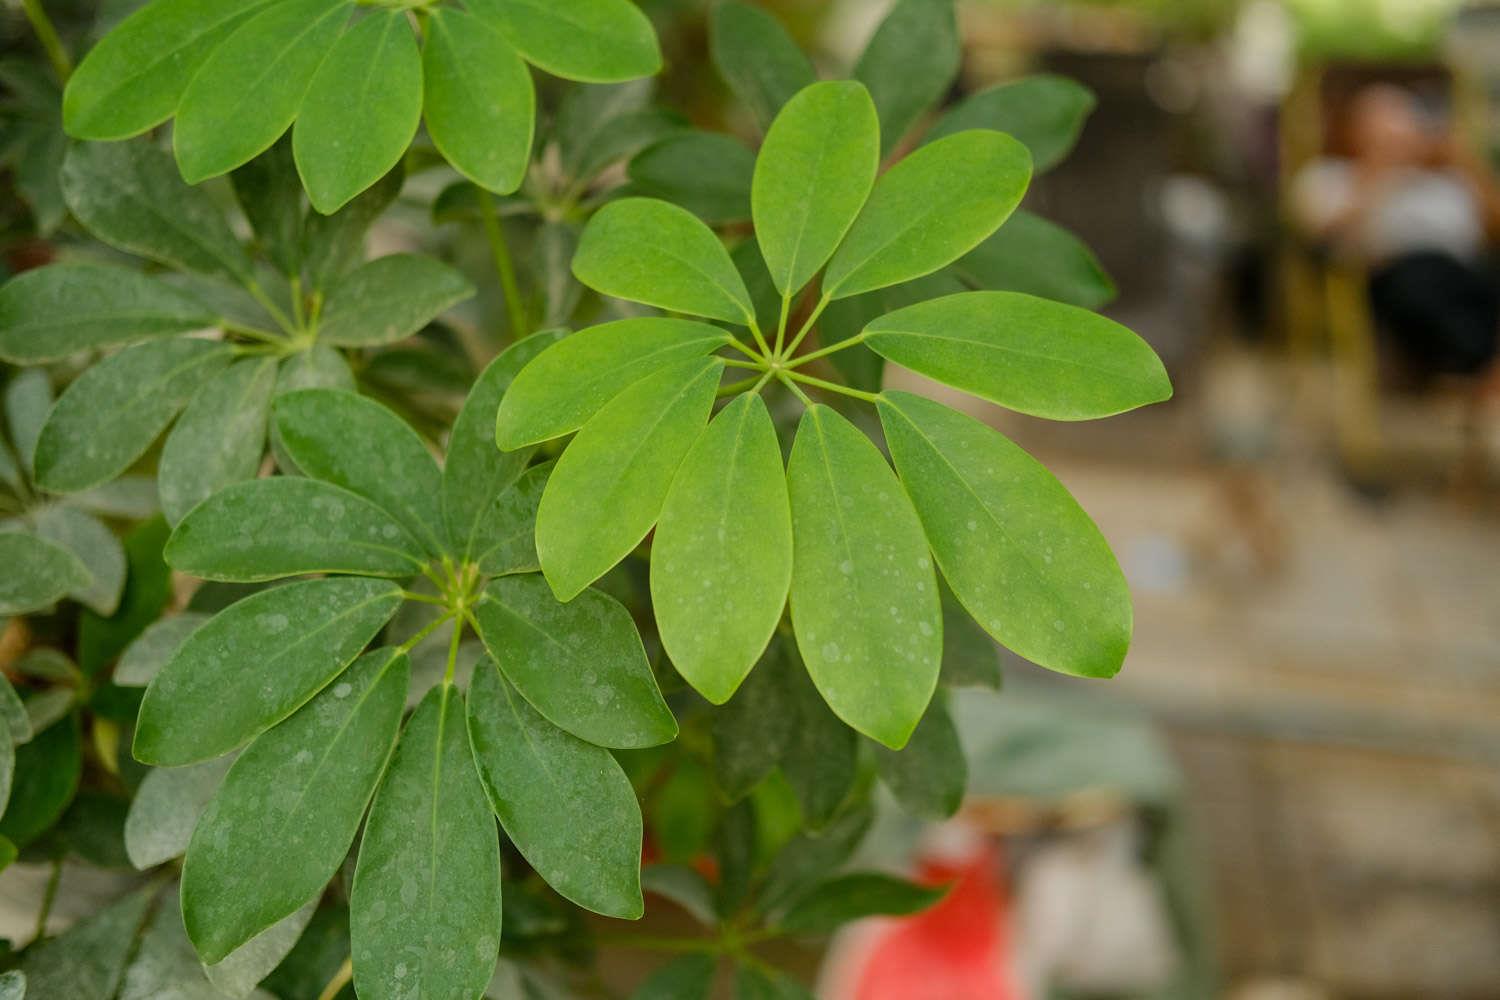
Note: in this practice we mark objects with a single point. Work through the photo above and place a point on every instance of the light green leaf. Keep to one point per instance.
(929, 775)
(110, 415)
(596, 41)
(282, 822)
(812, 177)
(1045, 112)
(721, 563)
(145, 657)
(609, 486)
(573, 379)
(864, 597)
(269, 192)
(861, 367)
(580, 664)
(256, 663)
(165, 809)
(389, 299)
(40, 573)
(87, 961)
(477, 473)
(753, 730)
(707, 173)
(564, 803)
(690, 977)
(17, 722)
(1027, 354)
(480, 101)
(130, 196)
(647, 250)
(846, 898)
(425, 911)
(95, 546)
(250, 88)
(54, 311)
(821, 758)
(285, 526)
(28, 402)
(46, 777)
(220, 438)
(767, 984)
(361, 110)
(1019, 552)
(249, 964)
(505, 539)
(756, 57)
(358, 444)
(1029, 254)
(930, 209)
(133, 79)
(909, 64)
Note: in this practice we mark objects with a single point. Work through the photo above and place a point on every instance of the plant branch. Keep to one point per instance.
(786, 309)
(458, 631)
(785, 378)
(433, 626)
(504, 267)
(339, 981)
(741, 385)
(807, 326)
(868, 397)
(823, 352)
(49, 896)
(737, 363)
(46, 33)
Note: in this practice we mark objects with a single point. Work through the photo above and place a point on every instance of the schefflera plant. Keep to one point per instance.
(849, 544)
(286, 671)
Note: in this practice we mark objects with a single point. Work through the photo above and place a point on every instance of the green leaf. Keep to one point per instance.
(389, 299)
(753, 730)
(248, 965)
(1027, 354)
(721, 563)
(814, 172)
(87, 961)
(477, 473)
(580, 664)
(811, 856)
(17, 722)
(596, 41)
(707, 173)
(41, 573)
(909, 64)
(256, 663)
(12, 983)
(756, 984)
(286, 526)
(333, 245)
(930, 209)
(145, 657)
(572, 380)
(609, 486)
(165, 809)
(929, 775)
(425, 911)
(28, 402)
(361, 446)
(756, 57)
(1029, 254)
(1045, 112)
(600, 124)
(650, 251)
(846, 898)
(269, 192)
(54, 311)
(690, 977)
(46, 778)
(133, 79)
(564, 803)
(220, 438)
(505, 540)
(680, 812)
(282, 822)
(821, 760)
(361, 110)
(322, 367)
(480, 101)
(110, 415)
(684, 886)
(1019, 552)
(8, 763)
(970, 656)
(95, 546)
(864, 597)
(861, 367)
(130, 196)
(148, 588)
(249, 89)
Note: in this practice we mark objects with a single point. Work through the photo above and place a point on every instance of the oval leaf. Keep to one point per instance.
(1025, 353)
(1029, 254)
(596, 41)
(757, 58)
(220, 438)
(145, 657)
(580, 664)
(864, 597)
(95, 546)
(846, 898)
(1019, 552)
(256, 663)
(707, 173)
(1045, 112)
(927, 776)
(165, 809)
(721, 562)
(909, 64)
(389, 299)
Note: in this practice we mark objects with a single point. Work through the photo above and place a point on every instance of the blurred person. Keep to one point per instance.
(1418, 208)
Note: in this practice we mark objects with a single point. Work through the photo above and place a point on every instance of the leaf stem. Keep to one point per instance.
(253, 332)
(807, 326)
(46, 33)
(49, 896)
(269, 305)
(504, 267)
(868, 397)
(748, 352)
(737, 363)
(760, 338)
(785, 378)
(786, 309)
(823, 352)
(741, 385)
(339, 981)
(458, 631)
(412, 595)
(433, 626)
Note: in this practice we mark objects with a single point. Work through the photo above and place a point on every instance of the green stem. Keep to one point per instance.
(411, 595)
(786, 310)
(253, 332)
(784, 377)
(410, 644)
(737, 363)
(868, 397)
(49, 896)
(748, 352)
(298, 315)
(741, 385)
(823, 352)
(503, 264)
(276, 312)
(807, 326)
(458, 631)
(339, 981)
(760, 338)
(47, 35)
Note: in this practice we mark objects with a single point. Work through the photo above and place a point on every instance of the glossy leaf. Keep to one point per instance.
(573, 379)
(650, 251)
(145, 657)
(281, 824)
(846, 898)
(1019, 552)
(87, 961)
(928, 776)
(165, 809)
(812, 177)
(95, 546)
(864, 597)
(609, 486)
(219, 439)
(930, 209)
(1045, 112)
(425, 909)
(721, 562)
(598, 41)
(909, 64)
(756, 57)
(58, 310)
(389, 299)
(1027, 354)
(361, 110)
(251, 86)
(359, 445)
(505, 540)
(41, 573)
(256, 663)
(580, 664)
(1029, 254)
(480, 102)
(690, 977)
(47, 770)
(707, 173)
(564, 803)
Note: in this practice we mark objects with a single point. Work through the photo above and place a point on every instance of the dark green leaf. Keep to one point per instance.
(269, 192)
(95, 546)
(809, 857)
(17, 722)
(909, 64)
(389, 299)
(41, 573)
(851, 897)
(1045, 112)
(599, 124)
(755, 56)
(929, 774)
(505, 541)
(148, 588)
(821, 759)
(145, 657)
(970, 656)
(28, 402)
(707, 173)
(165, 809)
(220, 438)
(334, 244)
(1029, 254)
(754, 728)
(757, 984)
(690, 977)
(249, 964)
(322, 367)
(47, 770)
(598, 41)
(87, 961)
(684, 886)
